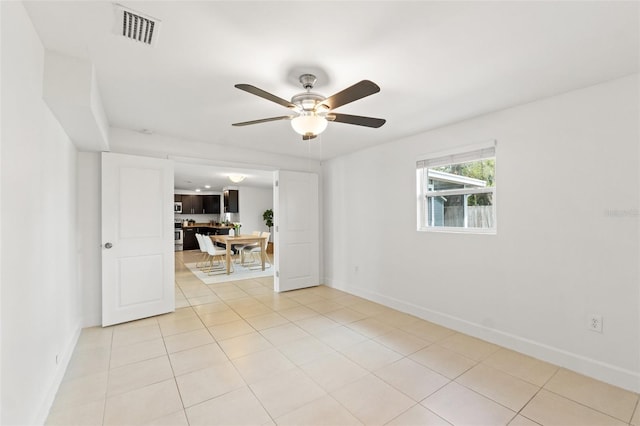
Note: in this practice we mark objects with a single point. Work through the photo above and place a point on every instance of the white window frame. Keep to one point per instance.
(459, 155)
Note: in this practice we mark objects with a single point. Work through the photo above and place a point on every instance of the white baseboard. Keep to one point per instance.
(47, 402)
(605, 372)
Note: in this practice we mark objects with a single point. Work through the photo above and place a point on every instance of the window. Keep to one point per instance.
(457, 192)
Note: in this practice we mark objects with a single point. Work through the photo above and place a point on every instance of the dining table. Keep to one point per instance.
(229, 241)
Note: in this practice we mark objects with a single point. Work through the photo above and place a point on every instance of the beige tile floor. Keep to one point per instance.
(239, 354)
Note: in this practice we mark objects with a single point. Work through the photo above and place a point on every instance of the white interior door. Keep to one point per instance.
(137, 238)
(297, 230)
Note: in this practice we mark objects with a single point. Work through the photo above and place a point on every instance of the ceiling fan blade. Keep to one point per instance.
(265, 95)
(356, 119)
(264, 120)
(357, 91)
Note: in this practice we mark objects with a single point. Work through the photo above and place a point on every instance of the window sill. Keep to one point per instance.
(451, 230)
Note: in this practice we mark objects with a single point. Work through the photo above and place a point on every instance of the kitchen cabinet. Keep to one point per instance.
(231, 201)
(198, 204)
(211, 204)
(192, 204)
(190, 241)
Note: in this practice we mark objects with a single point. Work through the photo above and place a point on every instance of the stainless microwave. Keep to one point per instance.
(177, 207)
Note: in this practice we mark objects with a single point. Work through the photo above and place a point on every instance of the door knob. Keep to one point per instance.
(108, 245)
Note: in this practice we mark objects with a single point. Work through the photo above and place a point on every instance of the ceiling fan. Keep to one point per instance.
(313, 111)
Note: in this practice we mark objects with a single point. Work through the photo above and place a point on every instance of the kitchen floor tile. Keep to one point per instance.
(428, 331)
(219, 317)
(129, 354)
(283, 334)
(322, 411)
(341, 337)
(208, 383)
(608, 399)
(371, 355)
(316, 324)
(459, 405)
(88, 361)
(412, 378)
(305, 350)
(188, 340)
(138, 375)
(239, 407)
(522, 421)
(197, 358)
(548, 408)
(231, 329)
(286, 392)
(529, 369)
(298, 313)
(333, 371)
(131, 335)
(253, 310)
(468, 346)
(179, 418)
(262, 365)
(443, 361)
(95, 337)
(88, 414)
(81, 390)
(373, 401)
(143, 405)
(202, 300)
(345, 316)
(246, 344)
(635, 420)
(501, 387)
(261, 322)
(323, 306)
(418, 415)
(370, 327)
(402, 342)
(181, 325)
(368, 308)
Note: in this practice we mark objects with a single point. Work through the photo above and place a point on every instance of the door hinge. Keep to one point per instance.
(277, 274)
(277, 228)
(276, 184)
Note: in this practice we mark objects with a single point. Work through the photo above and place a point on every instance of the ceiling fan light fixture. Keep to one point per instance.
(309, 125)
(236, 178)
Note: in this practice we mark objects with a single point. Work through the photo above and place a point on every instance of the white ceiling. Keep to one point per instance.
(190, 176)
(436, 62)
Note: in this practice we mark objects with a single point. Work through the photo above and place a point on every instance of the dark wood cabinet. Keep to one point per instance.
(189, 239)
(231, 201)
(198, 204)
(192, 204)
(211, 204)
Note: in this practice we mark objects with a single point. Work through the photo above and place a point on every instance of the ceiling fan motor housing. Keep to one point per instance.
(308, 81)
(307, 101)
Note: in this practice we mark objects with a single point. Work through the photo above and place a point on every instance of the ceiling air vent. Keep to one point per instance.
(136, 26)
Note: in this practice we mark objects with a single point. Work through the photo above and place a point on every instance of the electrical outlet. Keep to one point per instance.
(595, 323)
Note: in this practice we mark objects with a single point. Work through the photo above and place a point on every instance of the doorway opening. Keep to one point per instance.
(216, 200)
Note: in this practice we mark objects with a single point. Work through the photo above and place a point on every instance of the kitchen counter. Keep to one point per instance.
(206, 225)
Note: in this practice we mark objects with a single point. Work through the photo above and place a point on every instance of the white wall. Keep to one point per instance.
(567, 241)
(41, 298)
(253, 202)
(89, 237)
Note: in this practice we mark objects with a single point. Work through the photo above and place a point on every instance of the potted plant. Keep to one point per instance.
(267, 216)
